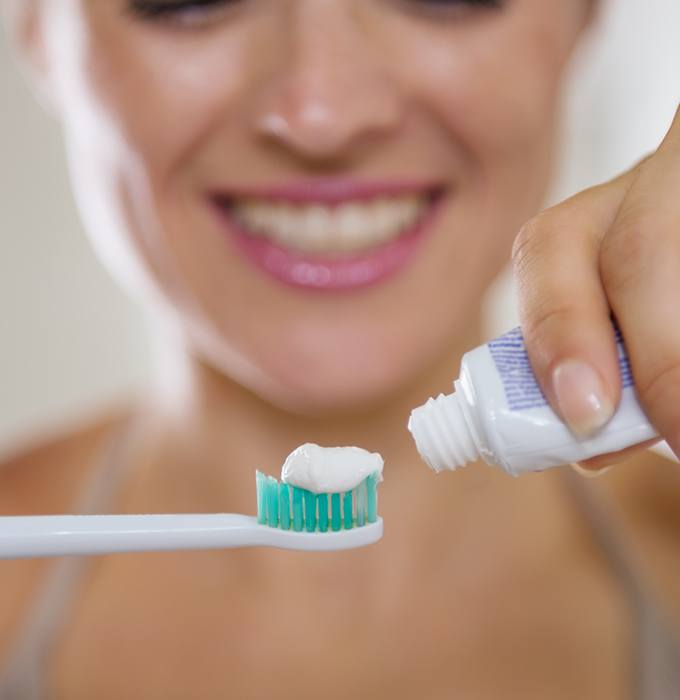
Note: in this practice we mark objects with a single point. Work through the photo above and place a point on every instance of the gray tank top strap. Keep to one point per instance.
(655, 645)
(23, 675)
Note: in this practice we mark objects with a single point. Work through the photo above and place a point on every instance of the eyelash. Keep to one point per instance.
(454, 6)
(176, 9)
(471, 3)
(167, 9)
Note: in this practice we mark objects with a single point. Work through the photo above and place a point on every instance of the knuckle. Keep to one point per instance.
(544, 322)
(531, 242)
(524, 242)
(624, 255)
(662, 387)
(552, 233)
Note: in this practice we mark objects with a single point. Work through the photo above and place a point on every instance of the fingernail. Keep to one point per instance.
(673, 445)
(581, 397)
(589, 473)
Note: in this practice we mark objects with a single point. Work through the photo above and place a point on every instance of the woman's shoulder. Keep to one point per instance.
(44, 477)
(44, 474)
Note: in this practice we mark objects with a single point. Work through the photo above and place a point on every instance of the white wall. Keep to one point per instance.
(622, 93)
(70, 341)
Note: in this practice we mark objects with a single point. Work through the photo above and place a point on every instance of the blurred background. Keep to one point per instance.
(72, 343)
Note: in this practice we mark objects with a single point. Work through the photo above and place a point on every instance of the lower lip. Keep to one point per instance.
(314, 272)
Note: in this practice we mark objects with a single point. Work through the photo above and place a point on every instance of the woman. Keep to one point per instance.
(312, 196)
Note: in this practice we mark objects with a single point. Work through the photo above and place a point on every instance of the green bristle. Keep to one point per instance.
(261, 486)
(284, 506)
(272, 502)
(372, 495)
(298, 520)
(362, 503)
(336, 515)
(347, 510)
(305, 510)
(322, 501)
(310, 511)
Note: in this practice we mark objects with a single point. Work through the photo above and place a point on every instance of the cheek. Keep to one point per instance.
(160, 119)
(137, 109)
(497, 100)
(164, 93)
(504, 121)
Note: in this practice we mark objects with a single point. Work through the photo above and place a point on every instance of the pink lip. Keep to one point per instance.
(331, 191)
(315, 272)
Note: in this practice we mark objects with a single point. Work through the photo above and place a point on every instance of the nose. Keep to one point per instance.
(331, 91)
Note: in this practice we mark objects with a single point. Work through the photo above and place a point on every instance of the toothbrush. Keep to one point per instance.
(288, 518)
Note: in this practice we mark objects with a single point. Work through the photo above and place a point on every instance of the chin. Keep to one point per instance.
(326, 387)
(342, 398)
(340, 391)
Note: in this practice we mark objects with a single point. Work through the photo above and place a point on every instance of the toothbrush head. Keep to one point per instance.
(281, 505)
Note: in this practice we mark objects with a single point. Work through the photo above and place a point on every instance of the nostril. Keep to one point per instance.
(329, 118)
(222, 201)
(273, 125)
(313, 130)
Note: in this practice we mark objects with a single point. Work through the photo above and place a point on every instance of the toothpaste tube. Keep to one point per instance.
(498, 413)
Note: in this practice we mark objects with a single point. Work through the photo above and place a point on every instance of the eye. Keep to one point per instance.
(184, 12)
(459, 3)
(453, 7)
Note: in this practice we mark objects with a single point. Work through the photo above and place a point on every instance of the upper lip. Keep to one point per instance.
(328, 191)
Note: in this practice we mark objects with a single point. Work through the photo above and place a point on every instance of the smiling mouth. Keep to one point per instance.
(336, 236)
(319, 229)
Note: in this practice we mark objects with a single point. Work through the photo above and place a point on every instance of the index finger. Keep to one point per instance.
(564, 310)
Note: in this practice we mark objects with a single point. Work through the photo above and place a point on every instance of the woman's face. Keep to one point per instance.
(322, 189)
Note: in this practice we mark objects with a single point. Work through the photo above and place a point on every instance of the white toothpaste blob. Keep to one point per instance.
(330, 469)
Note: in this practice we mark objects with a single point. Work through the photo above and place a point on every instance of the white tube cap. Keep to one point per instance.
(442, 435)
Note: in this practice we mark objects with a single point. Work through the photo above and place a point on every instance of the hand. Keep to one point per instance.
(613, 248)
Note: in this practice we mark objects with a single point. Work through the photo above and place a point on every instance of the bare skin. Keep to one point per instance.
(484, 586)
(463, 581)
(423, 614)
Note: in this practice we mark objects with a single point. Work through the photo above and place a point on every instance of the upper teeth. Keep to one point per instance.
(319, 228)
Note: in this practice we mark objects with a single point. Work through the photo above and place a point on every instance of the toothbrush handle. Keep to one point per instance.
(60, 535)
(57, 535)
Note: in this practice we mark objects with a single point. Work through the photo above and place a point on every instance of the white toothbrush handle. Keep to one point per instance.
(58, 535)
